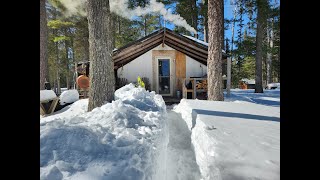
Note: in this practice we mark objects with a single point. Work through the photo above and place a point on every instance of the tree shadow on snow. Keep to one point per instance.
(266, 102)
(231, 115)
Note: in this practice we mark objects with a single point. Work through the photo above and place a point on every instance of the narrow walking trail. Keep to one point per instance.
(181, 162)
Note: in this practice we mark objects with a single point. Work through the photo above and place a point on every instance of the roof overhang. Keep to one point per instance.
(191, 48)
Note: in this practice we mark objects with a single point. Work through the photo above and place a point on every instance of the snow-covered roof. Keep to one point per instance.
(47, 95)
(273, 85)
(197, 49)
(199, 41)
(195, 39)
(248, 81)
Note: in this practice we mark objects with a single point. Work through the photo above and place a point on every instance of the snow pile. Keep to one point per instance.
(76, 109)
(119, 140)
(69, 96)
(273, 86)
(234, 140)
(47, 95)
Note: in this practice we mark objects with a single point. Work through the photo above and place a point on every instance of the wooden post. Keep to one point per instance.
(76, 75)
(53, 105)
(194, 96)
(42, 110)
(228, 75)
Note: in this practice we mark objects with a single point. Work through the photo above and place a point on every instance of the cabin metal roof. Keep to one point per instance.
(191, 48)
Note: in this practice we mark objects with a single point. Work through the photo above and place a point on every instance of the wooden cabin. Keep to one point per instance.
(165, 59)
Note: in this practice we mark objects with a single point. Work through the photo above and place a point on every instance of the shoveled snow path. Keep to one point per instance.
(181, 162)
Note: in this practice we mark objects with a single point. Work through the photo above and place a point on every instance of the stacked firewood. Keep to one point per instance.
(203, 84)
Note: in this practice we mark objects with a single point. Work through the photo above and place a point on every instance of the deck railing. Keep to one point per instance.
(198, 85)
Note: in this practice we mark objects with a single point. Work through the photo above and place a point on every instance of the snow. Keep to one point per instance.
(269, 97)
(249, 81)
(69, 96)
(181, 160)
(63, 89)
(273, 85)
(136, 137)
(76, 109)
(199, 41)
(47, 95)
(237, 139)
(124, 139)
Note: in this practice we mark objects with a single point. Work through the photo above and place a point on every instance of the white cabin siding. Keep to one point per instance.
(142, 66)
(194, 68)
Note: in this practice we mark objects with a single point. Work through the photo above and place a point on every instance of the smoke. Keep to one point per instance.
(120, 7)
(74, 7)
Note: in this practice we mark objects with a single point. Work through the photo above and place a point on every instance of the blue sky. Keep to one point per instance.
(227, 15)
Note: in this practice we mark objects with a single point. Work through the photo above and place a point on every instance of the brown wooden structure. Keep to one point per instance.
(48, 106)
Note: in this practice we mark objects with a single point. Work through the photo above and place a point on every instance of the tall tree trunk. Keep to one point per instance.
(113, 29)
(67, 59)
(86, 45)
(160, 23)
(215, 21)
(228, 76)
(44, 73)
(195, 17)
(279, 66)
(232, 29)
(54, 85)
(261, 20)
(102, 82)
(119, 25)
(58, 82)
(58, 67)
(269, 55)
(73, 60)
(205, 30)
(222, 29)
(145, 25)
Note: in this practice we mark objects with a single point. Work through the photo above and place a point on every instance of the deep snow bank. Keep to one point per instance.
(234, 140)
(120, 140)
(69, 96)
(47, 95)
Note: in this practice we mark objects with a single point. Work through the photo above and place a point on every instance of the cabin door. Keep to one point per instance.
(164, 80)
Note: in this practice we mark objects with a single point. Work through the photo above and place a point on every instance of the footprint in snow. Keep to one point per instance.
(210, 127)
